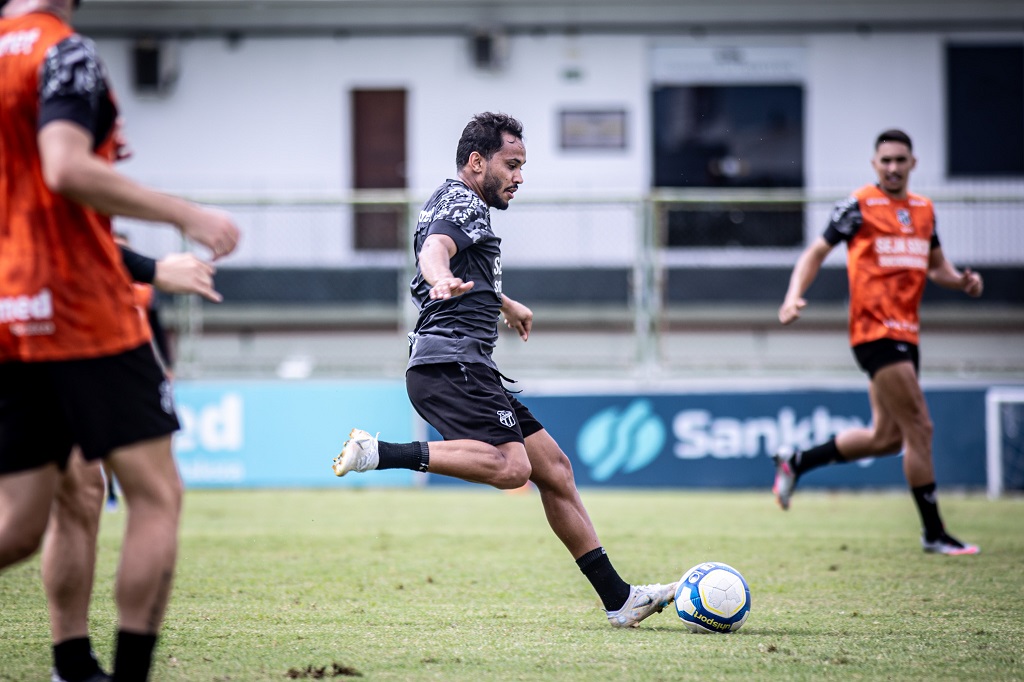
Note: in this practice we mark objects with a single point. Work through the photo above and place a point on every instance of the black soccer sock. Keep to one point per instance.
(133, 657)
(613, 590)
(415, 455)
(928, 507)
(818, 456)
(74, 660)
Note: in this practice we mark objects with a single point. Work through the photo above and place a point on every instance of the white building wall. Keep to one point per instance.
(269, 118)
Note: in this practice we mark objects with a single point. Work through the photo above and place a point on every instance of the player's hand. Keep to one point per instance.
(971, 283)
(448, 287)
(214, 229)
(518, 318)
(789, 311)
(183, 273)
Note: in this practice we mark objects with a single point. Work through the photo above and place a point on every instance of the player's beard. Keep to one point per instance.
(492, 188)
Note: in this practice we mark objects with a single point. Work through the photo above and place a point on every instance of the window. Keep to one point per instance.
(985, 109)
(741, 136)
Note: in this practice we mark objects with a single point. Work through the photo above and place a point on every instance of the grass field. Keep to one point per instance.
(471, 585)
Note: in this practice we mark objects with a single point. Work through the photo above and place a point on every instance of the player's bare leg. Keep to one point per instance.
(552, 474)
(69, 549)
(25, 499)
(899, 396)
(884, 436)
(68, 567)
(900, 408)
(626, 605)
(504, 466)
(152, 491)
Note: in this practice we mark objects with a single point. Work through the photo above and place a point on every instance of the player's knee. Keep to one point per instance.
(514, 471)
(163, 497)
(890, 445)
(921, 430)
(79, 502)
(515, 476)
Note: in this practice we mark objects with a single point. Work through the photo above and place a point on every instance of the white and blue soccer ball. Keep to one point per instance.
(713, 597)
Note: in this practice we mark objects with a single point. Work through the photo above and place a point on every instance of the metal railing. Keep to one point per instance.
(645, 236)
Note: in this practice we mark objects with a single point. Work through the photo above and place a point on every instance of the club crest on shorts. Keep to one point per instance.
(507, 418)
(166, 397)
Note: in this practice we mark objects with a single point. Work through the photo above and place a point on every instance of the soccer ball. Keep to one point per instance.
(713, 597)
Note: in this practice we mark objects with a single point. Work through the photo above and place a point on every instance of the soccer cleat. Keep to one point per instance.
(947, 544)
(358, 454)
(785, 477)
(643, 601)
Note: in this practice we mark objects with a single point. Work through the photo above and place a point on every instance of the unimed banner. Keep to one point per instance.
(283, 434)
(725, 440)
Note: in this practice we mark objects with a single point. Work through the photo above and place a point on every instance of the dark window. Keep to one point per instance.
(751, 224)
(730, 136)
(985, 107)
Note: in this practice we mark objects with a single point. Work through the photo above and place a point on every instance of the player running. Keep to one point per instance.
(76, 366)
(892, 249)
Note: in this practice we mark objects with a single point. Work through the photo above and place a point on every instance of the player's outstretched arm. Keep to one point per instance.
(435, 259)
(517, 317)
(71, 169)
(943, 273)
(804, 272)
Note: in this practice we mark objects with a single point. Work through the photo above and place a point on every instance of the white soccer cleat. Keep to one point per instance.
(643, 601)
(948, 545)
(358, 454)
(785, 478)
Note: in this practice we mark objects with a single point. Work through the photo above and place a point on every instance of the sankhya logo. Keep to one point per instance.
(620, 440)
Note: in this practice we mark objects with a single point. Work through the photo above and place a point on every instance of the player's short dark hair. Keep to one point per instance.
(483, 134)
(894, 135)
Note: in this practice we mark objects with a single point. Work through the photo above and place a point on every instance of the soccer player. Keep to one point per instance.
(69, 547)
(490, 437)
(76, 365)
(892, 249)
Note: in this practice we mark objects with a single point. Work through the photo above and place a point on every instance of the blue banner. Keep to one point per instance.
(283, 434)
(725, 440)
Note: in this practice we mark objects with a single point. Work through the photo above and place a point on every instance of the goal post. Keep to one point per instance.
(1004, 440)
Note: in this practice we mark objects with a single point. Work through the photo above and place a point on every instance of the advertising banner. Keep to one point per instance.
(283, 434)
(725, 440)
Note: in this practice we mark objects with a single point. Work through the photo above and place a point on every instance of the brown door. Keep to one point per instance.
(378, 144)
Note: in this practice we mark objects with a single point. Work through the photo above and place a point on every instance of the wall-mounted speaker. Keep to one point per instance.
(488, 50)
(154, 65)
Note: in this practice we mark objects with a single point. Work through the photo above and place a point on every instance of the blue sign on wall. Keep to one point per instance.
(270, 434)
(284, 434)
(725, 440)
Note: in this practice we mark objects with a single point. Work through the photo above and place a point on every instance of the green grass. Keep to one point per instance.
(471, 585)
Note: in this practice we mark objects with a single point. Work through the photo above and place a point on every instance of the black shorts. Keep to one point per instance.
(468, 401)
(874, 355)
(99, 404)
